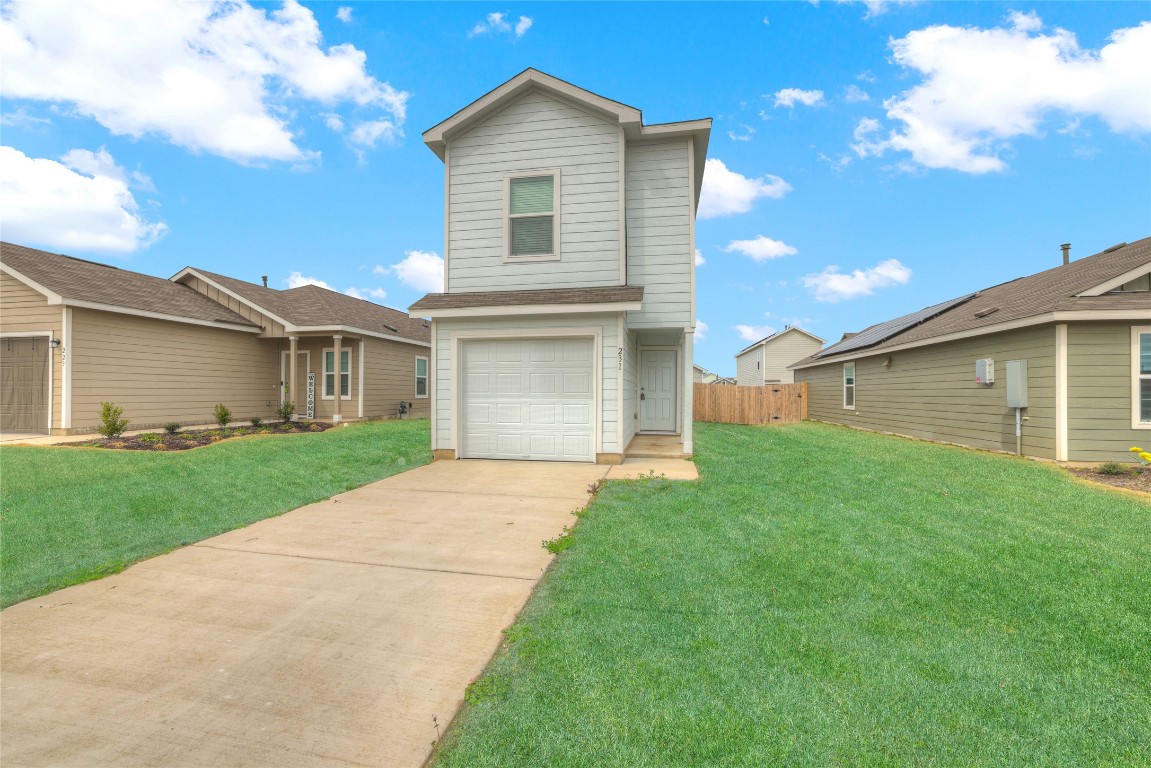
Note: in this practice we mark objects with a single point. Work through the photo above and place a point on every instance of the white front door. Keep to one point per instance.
(528, 399)
(658, 389)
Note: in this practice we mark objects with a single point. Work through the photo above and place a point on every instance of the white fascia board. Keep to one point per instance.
(161, 316)
(798, 330)
(353, 331)
(530, 309)
(1049, 317)
(288, 327)
(1117, 281)
(437, 136)
(52, 296)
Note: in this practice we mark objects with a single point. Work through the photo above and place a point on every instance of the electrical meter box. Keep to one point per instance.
(1016, 383)
(985, 371)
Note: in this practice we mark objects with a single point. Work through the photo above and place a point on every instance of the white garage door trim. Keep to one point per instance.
(458, 338)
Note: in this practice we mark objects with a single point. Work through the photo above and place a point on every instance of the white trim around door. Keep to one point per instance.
(676, 377)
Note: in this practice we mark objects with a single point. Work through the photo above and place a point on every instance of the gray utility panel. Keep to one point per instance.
(1016, 383)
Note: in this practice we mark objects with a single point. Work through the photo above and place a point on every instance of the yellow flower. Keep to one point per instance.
(1135, 449)
(1146, 457)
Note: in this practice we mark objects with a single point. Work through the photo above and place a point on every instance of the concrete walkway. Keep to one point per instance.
(329, 636)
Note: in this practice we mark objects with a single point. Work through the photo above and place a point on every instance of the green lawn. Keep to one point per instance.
(828, 597)
(75, 514)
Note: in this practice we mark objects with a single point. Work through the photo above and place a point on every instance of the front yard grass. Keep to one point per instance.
(824, 597)
(74, 514)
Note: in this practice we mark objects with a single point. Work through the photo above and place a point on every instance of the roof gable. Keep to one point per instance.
(775, 336)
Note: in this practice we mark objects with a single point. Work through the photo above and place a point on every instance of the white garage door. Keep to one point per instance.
(529, 399)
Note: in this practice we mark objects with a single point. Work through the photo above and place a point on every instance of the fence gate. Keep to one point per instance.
(769, 404)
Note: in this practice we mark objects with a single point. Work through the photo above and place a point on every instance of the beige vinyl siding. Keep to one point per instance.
(1099, 375)
(784, 350)
(270, 326)
(659, 257)
(747, 372)
(161, 371)
(444, 380)
(535, 132)
(930, 392)
(24, 310)
(390, 376)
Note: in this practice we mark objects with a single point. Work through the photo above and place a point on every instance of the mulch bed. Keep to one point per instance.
(1139, 478)
(182, 441)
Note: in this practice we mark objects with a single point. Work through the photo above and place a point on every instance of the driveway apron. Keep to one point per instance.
(329, 636)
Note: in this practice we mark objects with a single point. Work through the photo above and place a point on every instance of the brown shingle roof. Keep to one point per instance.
(80, 280)
(311, 305)
(1053, 290)
(612, 294)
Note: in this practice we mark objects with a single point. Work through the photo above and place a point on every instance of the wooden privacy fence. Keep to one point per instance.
(770, 404)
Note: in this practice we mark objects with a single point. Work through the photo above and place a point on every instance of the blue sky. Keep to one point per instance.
(867, 159)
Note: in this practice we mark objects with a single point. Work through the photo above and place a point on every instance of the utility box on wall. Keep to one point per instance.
(985, 371)
(1016, 383)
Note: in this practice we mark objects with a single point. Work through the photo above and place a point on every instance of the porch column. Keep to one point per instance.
(336, 415)
(293, 353)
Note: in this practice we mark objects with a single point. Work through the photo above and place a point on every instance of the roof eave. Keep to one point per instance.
(507, 310)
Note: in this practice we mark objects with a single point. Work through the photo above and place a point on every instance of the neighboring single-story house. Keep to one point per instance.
(701, 375)
(767, 360)
(74, 333)
(951, 372)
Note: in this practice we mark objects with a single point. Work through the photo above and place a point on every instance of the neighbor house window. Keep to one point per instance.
(849, 385)
(330, 373)
(1141, 385)
(421, 377)
(532, 200)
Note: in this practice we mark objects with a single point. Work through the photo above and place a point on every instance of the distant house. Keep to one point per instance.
(767, 360)
(701, 375)
(946, 372)
(76, 333)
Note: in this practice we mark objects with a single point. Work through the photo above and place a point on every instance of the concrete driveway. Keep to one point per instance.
(329, 636)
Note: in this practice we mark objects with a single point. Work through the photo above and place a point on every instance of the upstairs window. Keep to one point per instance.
(849, 385)
(532, 202)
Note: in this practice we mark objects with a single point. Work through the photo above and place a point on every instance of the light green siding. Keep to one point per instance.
(930, 392)
(1099, 386)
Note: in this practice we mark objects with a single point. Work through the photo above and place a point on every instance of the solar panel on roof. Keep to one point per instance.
(884, 331)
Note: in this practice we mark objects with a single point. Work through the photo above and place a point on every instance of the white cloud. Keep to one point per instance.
(379, 294)
(700, 330)
(81, 204)
(754, 332)
(422, 270)
(789, 97)
(366, 134)
(699, 259)
(299, 280)
(832, 286)
(879, 7)
(344, 14)
(853, 94)
(218, 77)
(726, 192)
(21, 118)
(334, 121)
(766, 20)
(983, 87)
(748, 132)
(497, 23)
(761, 248)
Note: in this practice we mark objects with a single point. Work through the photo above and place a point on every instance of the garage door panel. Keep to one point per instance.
(529, 399)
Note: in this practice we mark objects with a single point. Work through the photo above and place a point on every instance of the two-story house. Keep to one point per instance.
(565, 326)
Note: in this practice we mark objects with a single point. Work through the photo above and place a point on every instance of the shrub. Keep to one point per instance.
(172, 427)
(111, 425)
(151, 437)
(223, 414)
(1115, 468)
(286, 410)
(256, 421)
